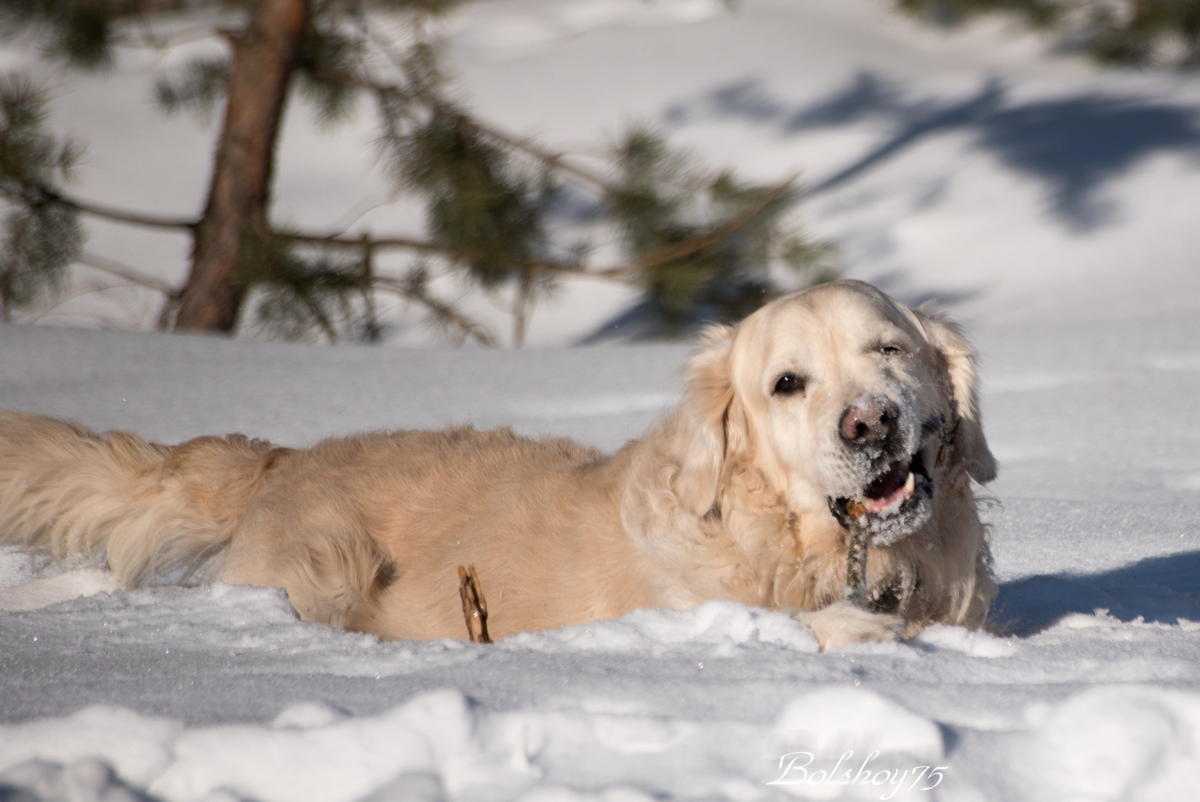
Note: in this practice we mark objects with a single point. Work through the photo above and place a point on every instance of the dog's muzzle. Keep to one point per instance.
(898, 501)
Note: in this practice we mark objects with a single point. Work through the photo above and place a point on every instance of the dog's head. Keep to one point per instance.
(844, 399)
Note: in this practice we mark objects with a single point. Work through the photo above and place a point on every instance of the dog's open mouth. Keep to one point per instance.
(893, 505)
(894, 487)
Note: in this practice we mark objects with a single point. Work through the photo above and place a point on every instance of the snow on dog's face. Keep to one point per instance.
(843, 398)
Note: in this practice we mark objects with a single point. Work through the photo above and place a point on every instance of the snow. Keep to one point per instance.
(45, 591)
(1045, 203)
(203, 691)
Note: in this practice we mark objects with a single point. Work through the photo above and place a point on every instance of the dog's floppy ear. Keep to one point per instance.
(959, 358)
(699, 437)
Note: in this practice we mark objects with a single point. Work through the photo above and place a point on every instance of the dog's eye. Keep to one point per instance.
(891, 349)
(788, 384)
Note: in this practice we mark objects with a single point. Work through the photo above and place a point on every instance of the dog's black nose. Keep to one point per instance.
(869, 420)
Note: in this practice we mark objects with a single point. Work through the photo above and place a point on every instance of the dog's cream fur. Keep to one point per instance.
(725, 498)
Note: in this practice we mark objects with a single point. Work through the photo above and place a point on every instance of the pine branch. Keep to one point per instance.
(415, 291)
(526, 145)
(696, 242)
(146, 37)
(126, 216)
(114, 268)
(136, 218)
(63, 300)
(322, 319)
(620, 272)
(196, 86)
(391, 242)
(365, 242)
(521, 306)
(139, 218)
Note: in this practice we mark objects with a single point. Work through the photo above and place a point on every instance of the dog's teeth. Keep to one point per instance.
(910, 482)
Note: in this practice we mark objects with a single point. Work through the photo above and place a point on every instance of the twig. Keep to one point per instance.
(696, 242)
(856, 556)
(147, 38)
(364, 241)
(75, 294)
(520, 309)
(407, 243)
(114, 268)
(60, 301)
(105, 265)
(474, 605)
(442, 310)
(359, 211)
(121, 215)
(319, 315)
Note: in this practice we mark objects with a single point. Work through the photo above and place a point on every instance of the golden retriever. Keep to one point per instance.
(828, 401)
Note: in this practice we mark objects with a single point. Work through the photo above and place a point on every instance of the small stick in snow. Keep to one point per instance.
(856, 557)
(474, 605)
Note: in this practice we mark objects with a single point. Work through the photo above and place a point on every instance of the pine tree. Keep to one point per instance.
(279, 40)
(1143, 32)
(265, 54)
(700, 245)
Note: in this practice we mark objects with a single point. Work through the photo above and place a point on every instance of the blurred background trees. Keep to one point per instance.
(1140, 32)
(698, 244)
(41, 236)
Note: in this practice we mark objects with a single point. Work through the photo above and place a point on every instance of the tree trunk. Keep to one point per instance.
(264, 55)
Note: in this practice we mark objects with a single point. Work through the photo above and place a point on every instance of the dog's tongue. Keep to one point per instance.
(889, 488)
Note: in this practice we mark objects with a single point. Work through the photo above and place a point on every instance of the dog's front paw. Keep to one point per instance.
(843, 623)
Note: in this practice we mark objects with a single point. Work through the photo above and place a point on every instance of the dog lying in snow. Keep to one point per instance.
(827, 402)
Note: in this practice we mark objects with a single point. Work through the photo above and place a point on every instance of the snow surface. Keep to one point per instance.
(1049, 205)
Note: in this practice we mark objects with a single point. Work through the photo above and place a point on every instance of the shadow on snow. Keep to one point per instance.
(1074, 145)
(1156, 589)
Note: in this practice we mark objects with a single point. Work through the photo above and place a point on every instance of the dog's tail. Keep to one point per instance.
(150, 509)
